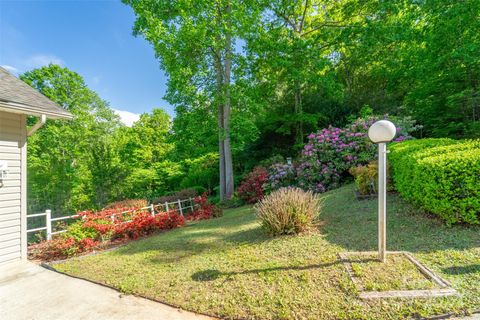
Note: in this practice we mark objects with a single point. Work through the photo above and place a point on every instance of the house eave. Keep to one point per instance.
(20, 108)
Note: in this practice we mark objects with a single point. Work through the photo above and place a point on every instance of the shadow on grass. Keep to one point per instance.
(238, 227)
(352, 224)
(347, 222)
(470, 269)
(213, 274)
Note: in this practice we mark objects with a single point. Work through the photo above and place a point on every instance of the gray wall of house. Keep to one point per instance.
(13, 187)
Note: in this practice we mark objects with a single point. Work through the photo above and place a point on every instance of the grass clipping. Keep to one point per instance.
(288, 211)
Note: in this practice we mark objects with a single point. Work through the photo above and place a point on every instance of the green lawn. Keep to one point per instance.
(228, 267)
(397, 273)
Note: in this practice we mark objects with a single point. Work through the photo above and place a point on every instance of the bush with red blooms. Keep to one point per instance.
(116, 224)
(93, 229)
(144, 223)
(61, 248)
(204, 209)
(250, 189)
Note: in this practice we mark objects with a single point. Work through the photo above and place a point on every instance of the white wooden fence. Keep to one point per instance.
(179, 205)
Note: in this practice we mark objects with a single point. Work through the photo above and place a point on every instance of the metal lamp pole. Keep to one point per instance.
(380, 133)
(382, 201)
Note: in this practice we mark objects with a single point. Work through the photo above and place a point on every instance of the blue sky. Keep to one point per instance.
(93, 38)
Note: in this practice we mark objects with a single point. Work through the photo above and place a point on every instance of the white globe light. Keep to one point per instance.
(382, 131)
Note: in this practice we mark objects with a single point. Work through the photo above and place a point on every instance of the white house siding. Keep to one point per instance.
(12, 192)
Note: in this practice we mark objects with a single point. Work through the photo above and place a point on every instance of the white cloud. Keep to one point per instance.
(127, 117)
(11, 69)
(40, 60)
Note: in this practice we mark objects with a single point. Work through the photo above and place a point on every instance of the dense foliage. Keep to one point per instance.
(330, 153)
(72, 164)
(366, 178)
(251, 80)
(251, 189)
(116, 224)
(441, 175)
(288, 211)
(102, 229)
(204, 209)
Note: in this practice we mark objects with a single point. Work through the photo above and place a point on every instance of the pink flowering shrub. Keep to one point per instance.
(328, 155)
(280, 175)
(331, 152)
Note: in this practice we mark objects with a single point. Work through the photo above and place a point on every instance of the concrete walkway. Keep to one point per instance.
(29, 291)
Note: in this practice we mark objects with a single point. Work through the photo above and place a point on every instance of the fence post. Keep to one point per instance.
(166, 206)
(191, 204)
(48, 218)
(152, 209)
(180, 207)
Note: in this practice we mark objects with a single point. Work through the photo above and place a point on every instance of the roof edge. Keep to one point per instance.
(20, 108)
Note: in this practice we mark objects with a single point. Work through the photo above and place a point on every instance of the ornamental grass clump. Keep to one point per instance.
(288, 211)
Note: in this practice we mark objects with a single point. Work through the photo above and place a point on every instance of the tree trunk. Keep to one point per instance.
(229, 183)
(221, 130)
(298, 114)
(223, 66)
(221, 151)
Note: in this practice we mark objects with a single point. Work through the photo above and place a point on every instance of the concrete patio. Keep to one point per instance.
(29, 291)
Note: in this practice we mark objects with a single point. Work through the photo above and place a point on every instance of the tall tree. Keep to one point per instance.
(147, 151)
(194, 41)
(417, 58)
(290, 51)
(68, 177)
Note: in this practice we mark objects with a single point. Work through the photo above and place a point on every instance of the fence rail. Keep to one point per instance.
(180, 205)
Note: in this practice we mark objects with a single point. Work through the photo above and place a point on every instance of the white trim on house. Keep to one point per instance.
(24, 109)
(23, 190)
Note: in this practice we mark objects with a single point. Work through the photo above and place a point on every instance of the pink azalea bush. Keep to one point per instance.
(329, 154)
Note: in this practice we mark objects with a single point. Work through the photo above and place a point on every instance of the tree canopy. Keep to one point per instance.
(250, 80)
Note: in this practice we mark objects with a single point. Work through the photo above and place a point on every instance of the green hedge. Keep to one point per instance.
(440, 175)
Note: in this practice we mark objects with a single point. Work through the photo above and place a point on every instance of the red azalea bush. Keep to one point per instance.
(250, 189)
(93, 229)
(61, 248)
(144, 224)
(204, 209)
(117, 223)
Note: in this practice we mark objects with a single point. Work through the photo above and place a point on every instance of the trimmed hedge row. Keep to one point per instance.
(440, 175)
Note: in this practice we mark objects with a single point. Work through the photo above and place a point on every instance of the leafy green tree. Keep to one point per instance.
(147, 141)
(289, 55)
(445, 93)
(195, 44)
(416, 58)
(201, 172)
(146, 150)
(69, 162)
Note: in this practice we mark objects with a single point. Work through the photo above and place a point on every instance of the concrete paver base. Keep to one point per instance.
(29, 291)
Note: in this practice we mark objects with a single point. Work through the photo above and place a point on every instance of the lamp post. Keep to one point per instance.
(381, 132)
